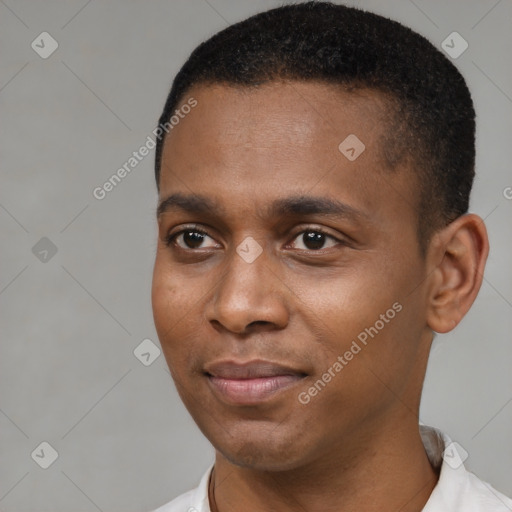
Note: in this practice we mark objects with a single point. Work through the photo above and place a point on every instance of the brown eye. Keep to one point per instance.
(191, 239)
(314, 240)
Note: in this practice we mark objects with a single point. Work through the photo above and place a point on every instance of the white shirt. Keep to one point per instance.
(457, 489)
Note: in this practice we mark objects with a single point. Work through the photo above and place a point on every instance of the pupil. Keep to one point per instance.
(313, 240)
(193, 239)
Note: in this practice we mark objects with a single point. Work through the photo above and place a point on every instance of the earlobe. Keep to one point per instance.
(460, 254)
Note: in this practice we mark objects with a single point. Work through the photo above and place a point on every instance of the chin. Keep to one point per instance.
(262, 455)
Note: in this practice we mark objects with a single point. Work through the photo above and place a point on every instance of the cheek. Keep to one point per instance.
(362, 317)
(176, 302)
(163, 294)
(382, 356)
(172, 300)
(171, 293)
(343, 302)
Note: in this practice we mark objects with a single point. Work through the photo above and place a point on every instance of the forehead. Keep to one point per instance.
(281, 136)
(300, 114)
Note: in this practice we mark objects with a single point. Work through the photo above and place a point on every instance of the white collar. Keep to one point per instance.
(457, 489)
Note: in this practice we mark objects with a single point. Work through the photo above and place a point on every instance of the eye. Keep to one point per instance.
(315, 239)
(191, 238)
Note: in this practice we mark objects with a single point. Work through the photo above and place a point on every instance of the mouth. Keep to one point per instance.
(251, 382)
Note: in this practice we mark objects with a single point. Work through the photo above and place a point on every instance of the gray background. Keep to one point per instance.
(69, 324)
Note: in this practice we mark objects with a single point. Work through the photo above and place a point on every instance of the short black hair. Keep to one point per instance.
(431, 111)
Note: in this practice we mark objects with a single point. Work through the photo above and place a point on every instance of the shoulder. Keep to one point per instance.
(458, 490)
(483, 497)
(195, 500)
(183, 503)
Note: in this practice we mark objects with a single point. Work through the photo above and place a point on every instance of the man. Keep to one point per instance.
(313, 236)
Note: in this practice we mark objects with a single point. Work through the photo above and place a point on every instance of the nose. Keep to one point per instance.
(249, 297)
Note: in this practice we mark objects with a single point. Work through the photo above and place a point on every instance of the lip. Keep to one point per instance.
(251, 382)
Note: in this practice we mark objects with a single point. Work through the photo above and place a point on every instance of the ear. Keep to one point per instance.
(458, 254)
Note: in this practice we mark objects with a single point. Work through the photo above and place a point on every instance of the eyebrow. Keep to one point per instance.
(191, 203)
(294, 205)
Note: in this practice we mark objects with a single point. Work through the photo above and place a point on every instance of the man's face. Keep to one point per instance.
(263, 274)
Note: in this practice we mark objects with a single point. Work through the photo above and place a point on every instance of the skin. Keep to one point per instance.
(356, 444)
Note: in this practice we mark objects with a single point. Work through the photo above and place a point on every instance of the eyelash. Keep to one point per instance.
(171, 237)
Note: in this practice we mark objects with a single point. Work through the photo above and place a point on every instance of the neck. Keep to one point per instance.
(380, 471)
